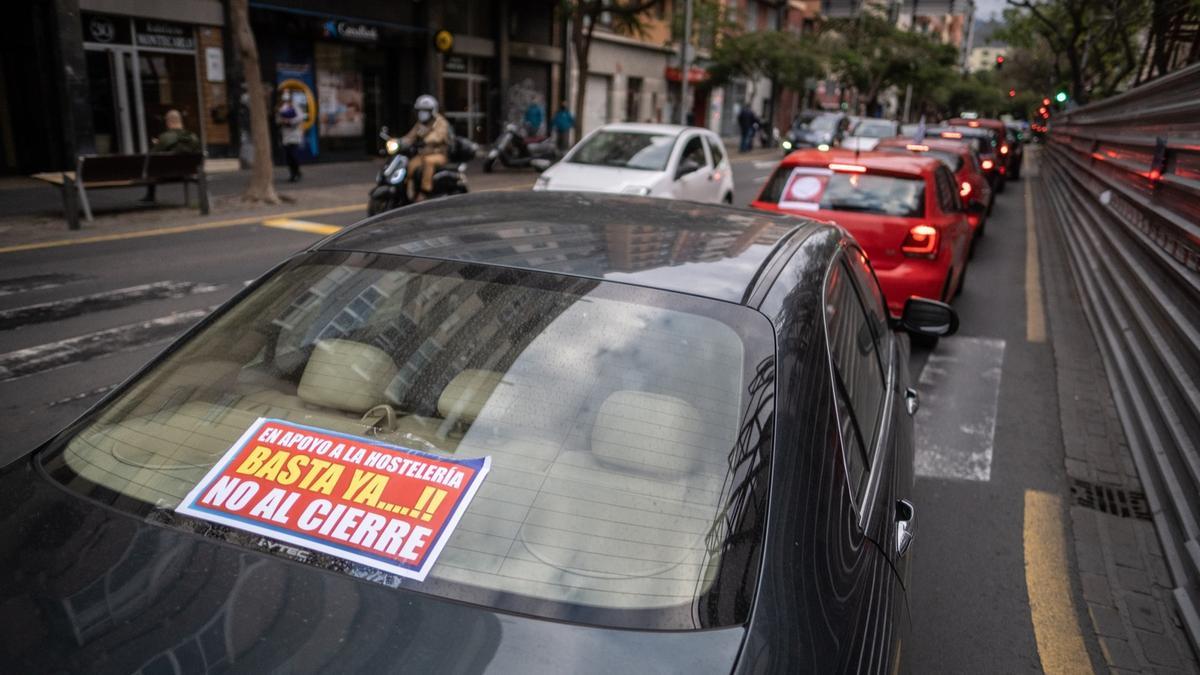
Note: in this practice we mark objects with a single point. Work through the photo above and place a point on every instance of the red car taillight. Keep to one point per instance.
(965, 190)
(987, 164)
(1004, 149)
(920, 242)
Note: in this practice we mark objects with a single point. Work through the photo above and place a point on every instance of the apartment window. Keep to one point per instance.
(633, 99)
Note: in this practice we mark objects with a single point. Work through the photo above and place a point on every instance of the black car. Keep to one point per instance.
(1016, 149)
(696, 420)
(823, 129)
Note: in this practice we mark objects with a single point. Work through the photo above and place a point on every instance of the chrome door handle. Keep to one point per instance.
(912, 402)
(906, 525)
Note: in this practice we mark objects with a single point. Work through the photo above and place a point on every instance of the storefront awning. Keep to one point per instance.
(696, 75)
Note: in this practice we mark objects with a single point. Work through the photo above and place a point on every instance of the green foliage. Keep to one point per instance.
(787, 59)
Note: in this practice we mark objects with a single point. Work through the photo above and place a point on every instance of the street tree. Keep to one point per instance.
(1097, 39)
(262, 186)
(787, 59)
(625, 17)
(867, 52)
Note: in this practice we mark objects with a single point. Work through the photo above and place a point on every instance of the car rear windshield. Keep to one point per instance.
(622, 424)
(626, 150)
(805, 188)
(874, 129)
(953, 161)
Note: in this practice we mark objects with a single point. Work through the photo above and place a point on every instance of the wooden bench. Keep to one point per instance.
(121, 171)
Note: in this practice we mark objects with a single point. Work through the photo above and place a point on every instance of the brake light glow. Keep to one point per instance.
(965, 189)
(973, 124)
(852, 168)
(920, 242)
(951, 134)
(987, 164)
(917, 148)
(1004, 149)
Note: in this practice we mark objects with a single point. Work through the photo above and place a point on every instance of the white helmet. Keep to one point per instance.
(426, 102)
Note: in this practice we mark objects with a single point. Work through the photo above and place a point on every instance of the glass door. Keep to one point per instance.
(110, 83)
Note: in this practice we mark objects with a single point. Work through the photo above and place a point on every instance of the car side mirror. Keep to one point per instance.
(686, 166)
(929, 318)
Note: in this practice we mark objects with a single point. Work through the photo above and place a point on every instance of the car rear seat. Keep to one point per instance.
(460, 404)
(638, 504)
(160, 456)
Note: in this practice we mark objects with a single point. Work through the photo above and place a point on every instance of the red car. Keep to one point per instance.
(983, 142)
(904, 210)
(999, 136)
(973, 185)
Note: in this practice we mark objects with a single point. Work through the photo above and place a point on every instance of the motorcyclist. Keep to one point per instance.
(433, 133)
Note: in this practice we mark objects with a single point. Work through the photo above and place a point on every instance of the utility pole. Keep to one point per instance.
(686, 59)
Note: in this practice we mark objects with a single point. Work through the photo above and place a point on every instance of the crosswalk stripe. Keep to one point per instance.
(58, 310)
(301, 226)
(53, 355)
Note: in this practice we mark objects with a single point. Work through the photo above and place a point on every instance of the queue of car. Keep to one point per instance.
(461, 434)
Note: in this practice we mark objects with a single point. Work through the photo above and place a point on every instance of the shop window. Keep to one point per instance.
(339, 91)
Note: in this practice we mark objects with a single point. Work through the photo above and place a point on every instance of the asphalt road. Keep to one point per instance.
(76, 320)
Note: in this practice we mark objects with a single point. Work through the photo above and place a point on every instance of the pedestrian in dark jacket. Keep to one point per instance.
(175, 139)
(746, 121)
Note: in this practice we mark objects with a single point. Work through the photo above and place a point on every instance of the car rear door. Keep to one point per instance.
(876, 440)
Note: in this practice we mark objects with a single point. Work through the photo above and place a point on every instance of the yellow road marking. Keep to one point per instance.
(180, 229)
(1055, 623)
(301, 225)
(1035, 316)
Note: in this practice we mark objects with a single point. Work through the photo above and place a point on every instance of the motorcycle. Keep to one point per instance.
(514, 151)
(391, 192)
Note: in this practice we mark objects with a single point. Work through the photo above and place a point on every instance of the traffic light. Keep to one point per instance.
(1012, 93)
(1061, 97)
(1045, 101)
(999, 62)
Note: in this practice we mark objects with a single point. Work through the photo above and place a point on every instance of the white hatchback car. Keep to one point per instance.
(655, 160)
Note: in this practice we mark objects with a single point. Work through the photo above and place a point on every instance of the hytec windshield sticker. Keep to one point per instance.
(804, 188)
(380, 505)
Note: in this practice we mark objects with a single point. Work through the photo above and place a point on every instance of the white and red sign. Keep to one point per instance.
(804, 188)
(380, 505)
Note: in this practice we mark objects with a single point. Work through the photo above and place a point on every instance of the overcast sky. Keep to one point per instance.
(988, 9)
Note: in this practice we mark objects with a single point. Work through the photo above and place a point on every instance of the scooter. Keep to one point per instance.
(390, 191)
(514, 151)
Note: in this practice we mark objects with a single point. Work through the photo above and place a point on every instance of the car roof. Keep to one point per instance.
(890, 162)
(934, 143)
(648, 128)
(982, 122)
(700, 249)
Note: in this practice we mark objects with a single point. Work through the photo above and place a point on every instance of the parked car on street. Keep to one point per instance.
(646, 160)
(1016, 148)
(905, 211)
(984, 143)
(499, 432)
(999, 133)
(867, 132)
(972, 184)
(825, 130)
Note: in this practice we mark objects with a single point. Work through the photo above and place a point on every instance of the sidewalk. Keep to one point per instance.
(1125, 582)
(31, 212)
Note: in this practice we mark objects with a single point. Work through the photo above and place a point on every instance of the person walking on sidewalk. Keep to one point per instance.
(746, 121)
(563, 123)
(175, 139)
(432, 133)
(291, 134)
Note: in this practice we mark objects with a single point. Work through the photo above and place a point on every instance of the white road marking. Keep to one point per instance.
(53, 355)
(956, 423)
(761, 179)
(766, 164)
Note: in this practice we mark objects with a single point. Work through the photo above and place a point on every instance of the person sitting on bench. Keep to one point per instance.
(174, 139)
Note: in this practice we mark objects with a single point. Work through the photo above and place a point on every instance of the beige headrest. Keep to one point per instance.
(346, 375)
(467, 393)
(649, 432)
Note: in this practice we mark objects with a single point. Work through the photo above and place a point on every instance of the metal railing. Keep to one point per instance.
(1123, 180)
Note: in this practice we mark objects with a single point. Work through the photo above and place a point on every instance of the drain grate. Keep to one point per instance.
(1115, 501)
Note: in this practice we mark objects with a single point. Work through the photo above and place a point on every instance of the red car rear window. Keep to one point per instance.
(805, 188)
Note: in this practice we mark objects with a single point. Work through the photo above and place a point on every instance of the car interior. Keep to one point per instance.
(609, 447)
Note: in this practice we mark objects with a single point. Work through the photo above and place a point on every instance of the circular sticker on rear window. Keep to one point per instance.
(805, 188)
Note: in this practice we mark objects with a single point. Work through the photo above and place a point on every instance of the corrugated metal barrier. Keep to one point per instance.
(1123, 180)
